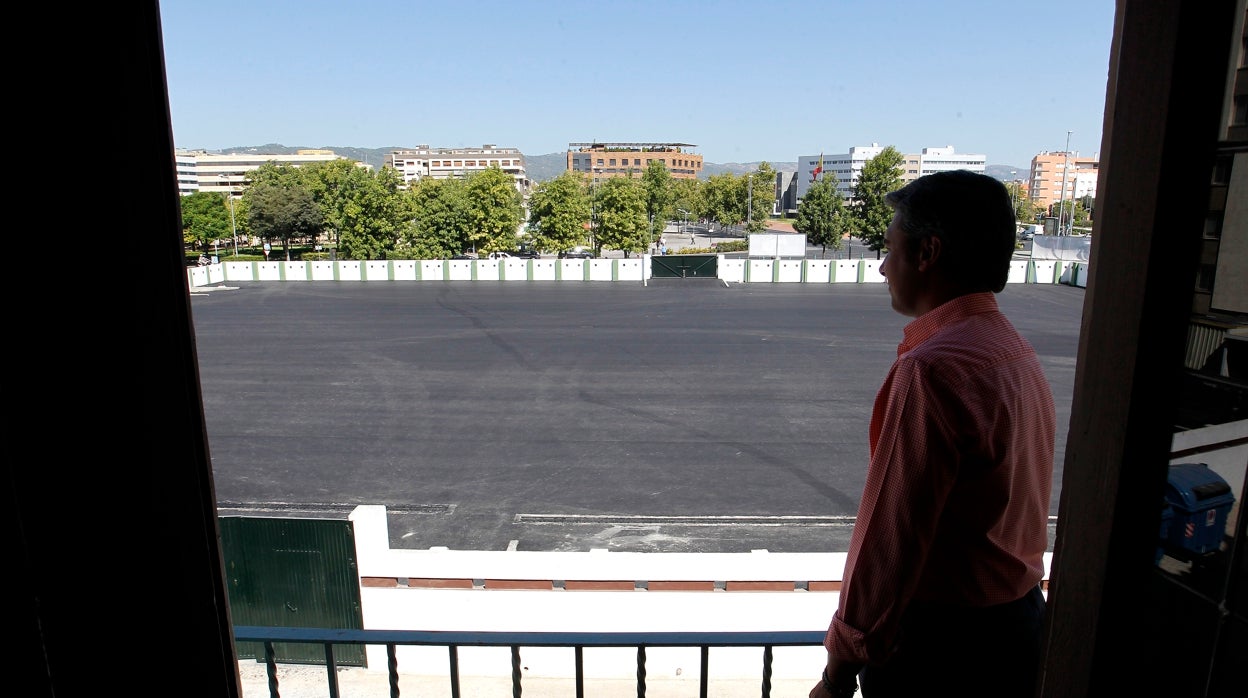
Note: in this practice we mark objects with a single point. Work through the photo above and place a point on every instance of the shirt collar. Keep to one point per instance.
(949, 312)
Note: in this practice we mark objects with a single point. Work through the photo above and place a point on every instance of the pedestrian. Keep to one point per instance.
(940, 594)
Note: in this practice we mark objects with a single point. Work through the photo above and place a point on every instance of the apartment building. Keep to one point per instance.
(944, 159)
(631, 159)
(848, 166)
(414, 164)
(1051, 171)
(199, 170)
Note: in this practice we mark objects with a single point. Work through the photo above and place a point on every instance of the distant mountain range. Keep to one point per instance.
(542, 168)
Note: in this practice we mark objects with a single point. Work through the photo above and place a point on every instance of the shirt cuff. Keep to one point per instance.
(844, 642)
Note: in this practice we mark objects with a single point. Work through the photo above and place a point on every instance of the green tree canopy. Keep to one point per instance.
(282, 212)
(205, 218)
(373, 214)
(495, 210)
(880, 175)
(723, 199)
(761, 197)
(558, 211)
(821, 215)
(335, 185)
(622, 221)
(687, 195)
(438, 227)
(657, 182)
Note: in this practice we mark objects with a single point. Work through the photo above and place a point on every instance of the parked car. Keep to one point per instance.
(577, 253)
(465, 255)
(499, 255)
(526, 253)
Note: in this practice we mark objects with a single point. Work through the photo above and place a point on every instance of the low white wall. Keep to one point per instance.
(735, 270)
(393, 598)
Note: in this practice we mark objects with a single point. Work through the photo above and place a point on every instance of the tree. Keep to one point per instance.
(723, 199)
(622, 222)
(282, 212)
(821, 215)
(760, 197)
(205, 218)
(495, 210)
(558, 211)
(334, 186)
(657, 182)
(374, 212)
(438, 227)
(880, 175)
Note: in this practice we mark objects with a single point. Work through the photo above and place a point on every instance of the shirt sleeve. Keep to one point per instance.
(912, 469)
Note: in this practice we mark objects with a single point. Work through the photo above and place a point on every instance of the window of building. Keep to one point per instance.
(600, 162)
(636, 161)
(470, 163)
(1213, 224)
(611, 162)
(1222, 170)
(1239, 115)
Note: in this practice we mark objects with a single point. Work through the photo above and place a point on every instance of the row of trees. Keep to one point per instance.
(363, 214)
(371, 215)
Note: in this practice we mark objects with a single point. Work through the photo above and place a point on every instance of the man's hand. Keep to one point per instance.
(839, 680)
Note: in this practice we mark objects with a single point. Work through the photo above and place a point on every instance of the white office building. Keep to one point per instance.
(414, 164)
(848, 166)
(199, 170)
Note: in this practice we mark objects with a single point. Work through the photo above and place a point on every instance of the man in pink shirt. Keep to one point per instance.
(941, 590)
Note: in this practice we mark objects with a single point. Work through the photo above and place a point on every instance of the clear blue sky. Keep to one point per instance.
(744, 81)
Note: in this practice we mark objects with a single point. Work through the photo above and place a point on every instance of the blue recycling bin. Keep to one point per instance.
(1201, 502)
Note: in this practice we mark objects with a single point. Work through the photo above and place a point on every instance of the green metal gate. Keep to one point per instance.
(684, 266)
(293, 573)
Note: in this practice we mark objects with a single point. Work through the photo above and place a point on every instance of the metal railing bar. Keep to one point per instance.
(515, 672)
(270, 667)
(641, 671)
(454, 671)
(579, 659)
(346, 636)
(452, 640)
(331, 668)
(767, 671)
(392, 668)
(704, 681)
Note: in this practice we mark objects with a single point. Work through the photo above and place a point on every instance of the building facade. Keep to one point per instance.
(786, 194)
(199, 170)
(414, 164)
(601, 160)
(944, 159)
(848, 166)
(1061, 176)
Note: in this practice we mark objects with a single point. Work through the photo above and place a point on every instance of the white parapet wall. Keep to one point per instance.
(730, 270)
(592, 591)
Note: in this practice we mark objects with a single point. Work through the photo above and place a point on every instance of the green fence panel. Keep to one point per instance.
(293, 573)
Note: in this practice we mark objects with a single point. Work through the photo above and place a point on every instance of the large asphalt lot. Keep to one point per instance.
(682, 416)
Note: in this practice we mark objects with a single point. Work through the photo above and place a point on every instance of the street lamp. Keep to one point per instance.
(229, 195)
(684, 227)
(1014, 191)
(1061, 202)
(593, 206)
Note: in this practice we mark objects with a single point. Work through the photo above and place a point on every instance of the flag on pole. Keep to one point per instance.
(814, 175)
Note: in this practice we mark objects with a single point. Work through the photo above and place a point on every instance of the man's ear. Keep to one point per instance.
(929, 252)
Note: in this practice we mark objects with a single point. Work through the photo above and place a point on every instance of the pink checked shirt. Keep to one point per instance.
(956, 502)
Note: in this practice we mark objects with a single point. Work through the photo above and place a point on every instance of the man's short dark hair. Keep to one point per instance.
(973, 217)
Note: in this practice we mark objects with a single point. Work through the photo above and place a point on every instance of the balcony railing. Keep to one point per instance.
(453, 640)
